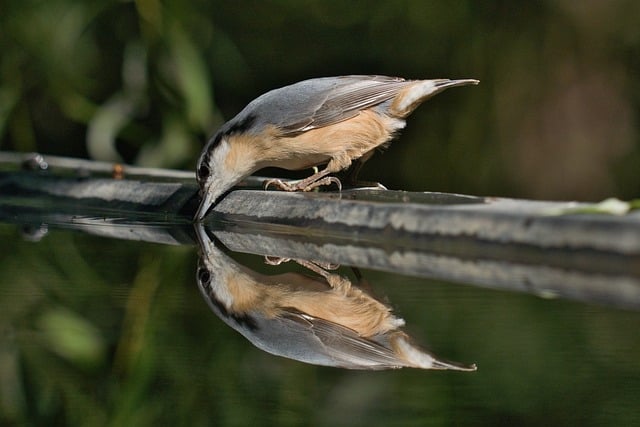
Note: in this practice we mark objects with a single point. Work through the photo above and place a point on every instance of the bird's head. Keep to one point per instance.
(231, 155)
(219, 168)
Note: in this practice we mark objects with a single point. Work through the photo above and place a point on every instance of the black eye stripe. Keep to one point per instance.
(242, 319)
(242, 126)
(216, 140)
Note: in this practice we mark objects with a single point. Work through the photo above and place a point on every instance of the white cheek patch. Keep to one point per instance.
(223, 293)
(222, 170)
(230, 162)
(220, 154)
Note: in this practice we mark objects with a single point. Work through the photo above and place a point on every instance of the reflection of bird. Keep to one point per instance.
(332, 121)
(322, 320)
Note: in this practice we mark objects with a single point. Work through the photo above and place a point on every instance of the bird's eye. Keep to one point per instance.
(204, 276)
(203, 172)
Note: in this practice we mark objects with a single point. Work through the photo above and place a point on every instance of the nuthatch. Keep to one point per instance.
(331, 120)
(322, 320)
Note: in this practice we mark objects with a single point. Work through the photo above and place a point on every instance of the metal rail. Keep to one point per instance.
(546, 248)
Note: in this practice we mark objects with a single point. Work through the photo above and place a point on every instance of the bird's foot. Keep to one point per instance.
(311, 265)
(279, 184)
(335, 281)
(303, 185)
(275, 260)
(324, 181)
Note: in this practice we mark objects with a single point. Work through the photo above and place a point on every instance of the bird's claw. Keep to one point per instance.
(278, 183)
(319, 267)
(275, 260)
(324, 181)
(301, 185)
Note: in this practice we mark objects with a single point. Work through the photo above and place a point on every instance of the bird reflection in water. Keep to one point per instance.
(323, 320)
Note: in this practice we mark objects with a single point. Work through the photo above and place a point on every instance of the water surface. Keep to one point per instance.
(101, 330)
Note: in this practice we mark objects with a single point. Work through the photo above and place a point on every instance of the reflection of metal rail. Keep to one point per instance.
(505, 243)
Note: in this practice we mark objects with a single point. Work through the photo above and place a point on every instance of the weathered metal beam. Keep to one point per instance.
(432, 220)
(512, 244)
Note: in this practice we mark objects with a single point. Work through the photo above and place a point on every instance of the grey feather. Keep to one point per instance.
(312, 340)
(317, 103)
(345, 346)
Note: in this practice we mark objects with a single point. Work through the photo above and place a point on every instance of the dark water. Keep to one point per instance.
(99, 331)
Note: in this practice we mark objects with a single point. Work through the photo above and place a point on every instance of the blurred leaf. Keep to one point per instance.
(610, 206)
(173, 148)
(9, 96)
(11, 388)
(72, 337)
(121, 109)
(193, 79)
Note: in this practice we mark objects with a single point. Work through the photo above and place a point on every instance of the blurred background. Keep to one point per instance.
(146, 82)
(96, 331)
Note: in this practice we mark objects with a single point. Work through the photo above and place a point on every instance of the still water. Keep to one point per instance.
(102, 331)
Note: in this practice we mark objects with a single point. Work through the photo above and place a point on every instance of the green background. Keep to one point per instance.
(146, 82)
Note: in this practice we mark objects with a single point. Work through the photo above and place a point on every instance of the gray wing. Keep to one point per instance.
(345, 347)
(317, 103)
(309, 339)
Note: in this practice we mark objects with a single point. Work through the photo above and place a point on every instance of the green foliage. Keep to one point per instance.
(111, 80)
(555, 115)
(71, 337)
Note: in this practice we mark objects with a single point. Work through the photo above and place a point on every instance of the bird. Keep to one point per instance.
(330, 121)
(323, 319)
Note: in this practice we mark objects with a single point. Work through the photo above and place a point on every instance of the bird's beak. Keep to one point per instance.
(204, 241)
(209, 196)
